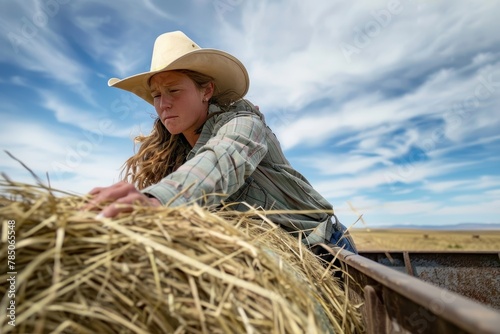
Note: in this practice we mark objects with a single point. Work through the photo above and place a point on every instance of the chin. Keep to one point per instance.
(172, 131)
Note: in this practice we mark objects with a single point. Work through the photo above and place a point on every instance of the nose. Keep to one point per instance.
(164, 102)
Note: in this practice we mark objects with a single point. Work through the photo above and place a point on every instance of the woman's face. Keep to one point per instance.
(180, 104)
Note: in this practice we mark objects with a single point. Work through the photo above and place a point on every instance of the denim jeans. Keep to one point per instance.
(341, 237)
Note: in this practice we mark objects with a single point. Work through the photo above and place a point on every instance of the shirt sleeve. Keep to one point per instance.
(236, 146)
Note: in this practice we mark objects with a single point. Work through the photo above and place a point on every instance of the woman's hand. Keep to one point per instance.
(120, 196)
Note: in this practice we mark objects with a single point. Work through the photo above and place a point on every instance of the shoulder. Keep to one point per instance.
(241, 108)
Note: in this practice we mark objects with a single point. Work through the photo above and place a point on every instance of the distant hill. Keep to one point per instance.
(460, 226)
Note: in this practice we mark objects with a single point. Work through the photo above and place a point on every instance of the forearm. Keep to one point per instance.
(219, 167)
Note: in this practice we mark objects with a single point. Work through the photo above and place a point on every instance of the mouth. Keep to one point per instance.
(168, 118)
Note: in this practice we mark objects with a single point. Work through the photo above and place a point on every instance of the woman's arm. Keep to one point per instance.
(230, 148)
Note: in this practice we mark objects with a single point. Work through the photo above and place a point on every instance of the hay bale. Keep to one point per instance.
(161, 270)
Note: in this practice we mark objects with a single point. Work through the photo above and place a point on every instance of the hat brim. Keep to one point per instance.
(230, 76)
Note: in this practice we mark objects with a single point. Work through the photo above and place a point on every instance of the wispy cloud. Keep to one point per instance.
(490, 208)
(464, 185)
(48, 149)
(105, 124)
(31, 44)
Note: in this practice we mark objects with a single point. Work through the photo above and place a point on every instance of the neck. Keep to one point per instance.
(191, 138)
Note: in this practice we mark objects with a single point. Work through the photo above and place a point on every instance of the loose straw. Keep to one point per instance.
(162, 270)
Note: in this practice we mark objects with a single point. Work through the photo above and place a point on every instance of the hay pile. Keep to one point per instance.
(161, 270)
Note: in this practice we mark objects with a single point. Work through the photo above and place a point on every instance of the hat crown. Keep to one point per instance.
(169, 47)
(175, 51)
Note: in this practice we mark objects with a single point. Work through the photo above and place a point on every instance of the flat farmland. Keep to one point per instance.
(425, 240)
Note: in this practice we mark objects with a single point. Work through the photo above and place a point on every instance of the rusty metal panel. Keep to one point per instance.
(396, 302)
(475, 275)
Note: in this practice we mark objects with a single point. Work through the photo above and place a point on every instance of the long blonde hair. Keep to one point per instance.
(161, 153)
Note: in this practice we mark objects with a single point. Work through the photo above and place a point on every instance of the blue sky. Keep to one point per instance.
(389, 108)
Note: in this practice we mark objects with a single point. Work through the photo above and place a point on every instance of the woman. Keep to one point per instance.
(209, 146)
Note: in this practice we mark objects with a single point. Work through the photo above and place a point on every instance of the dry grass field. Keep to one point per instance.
(425, 240)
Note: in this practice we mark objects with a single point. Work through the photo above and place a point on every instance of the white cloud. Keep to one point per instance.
(437, 186)
(306, 67)
(409, 207)
(127, 49)
(87, 119)
(438, 67)
(351, 164)
(491, 208)
(32, 45)
(19, 81)
(92, 22)
(484, 195)
(461, 185)
(371, 211)
(494, 193)
(419, 212)
(26, 134)
(73, 164)
(411, 175)
(362, 114)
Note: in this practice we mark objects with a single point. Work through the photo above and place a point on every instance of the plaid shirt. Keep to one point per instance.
(239, 159)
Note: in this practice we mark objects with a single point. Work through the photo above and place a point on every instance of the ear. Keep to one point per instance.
(208, 90)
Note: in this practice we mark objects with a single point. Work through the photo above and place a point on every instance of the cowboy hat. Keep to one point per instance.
(176, 51)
